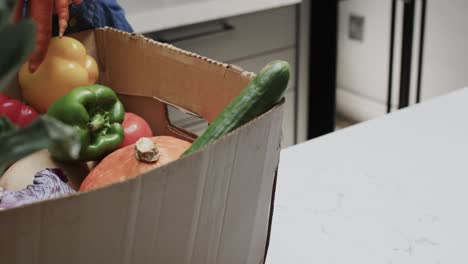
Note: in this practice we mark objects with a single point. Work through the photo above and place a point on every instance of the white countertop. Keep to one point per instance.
(392, 190)
(153, 15)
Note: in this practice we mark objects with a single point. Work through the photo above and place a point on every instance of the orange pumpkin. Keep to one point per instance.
(131, 161)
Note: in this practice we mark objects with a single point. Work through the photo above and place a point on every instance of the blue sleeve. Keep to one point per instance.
(96, 13)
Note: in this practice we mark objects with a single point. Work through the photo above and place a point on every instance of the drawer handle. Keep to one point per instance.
(217, 28)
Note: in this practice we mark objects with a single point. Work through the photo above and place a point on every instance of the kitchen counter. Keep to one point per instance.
(150, 15)
(391, 190)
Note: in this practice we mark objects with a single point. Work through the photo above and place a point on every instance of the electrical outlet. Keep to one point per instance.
(356, 27)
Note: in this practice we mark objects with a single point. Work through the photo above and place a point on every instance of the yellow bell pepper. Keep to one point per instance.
(65, 67)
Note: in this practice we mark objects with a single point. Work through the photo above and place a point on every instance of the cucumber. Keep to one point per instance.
(259, 96)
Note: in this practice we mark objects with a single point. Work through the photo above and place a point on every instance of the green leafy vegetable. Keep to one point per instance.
(6, 125)
(40, 134)
(6, 6)
(17, 43)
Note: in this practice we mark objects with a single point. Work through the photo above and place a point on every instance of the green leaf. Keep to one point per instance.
(4, 14)
(17, 43)
(6, 7)
(40, 134)
(6, 125)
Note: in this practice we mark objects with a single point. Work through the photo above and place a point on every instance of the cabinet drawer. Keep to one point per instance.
(237, 37)
(256, 63)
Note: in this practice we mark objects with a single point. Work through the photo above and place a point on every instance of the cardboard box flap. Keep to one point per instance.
(134, 65)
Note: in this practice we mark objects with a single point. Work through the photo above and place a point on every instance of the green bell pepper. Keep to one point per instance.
(96, 114)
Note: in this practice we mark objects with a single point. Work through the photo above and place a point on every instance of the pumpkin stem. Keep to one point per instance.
(146, 150)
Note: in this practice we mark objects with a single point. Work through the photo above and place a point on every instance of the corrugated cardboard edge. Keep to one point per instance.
(178, 50)
(272, 212)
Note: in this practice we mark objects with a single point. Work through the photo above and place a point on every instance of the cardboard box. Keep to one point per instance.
(213, 206)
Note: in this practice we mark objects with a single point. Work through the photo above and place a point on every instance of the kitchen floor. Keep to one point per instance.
(343, 122)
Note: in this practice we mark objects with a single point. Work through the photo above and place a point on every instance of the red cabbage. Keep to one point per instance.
(47, 184)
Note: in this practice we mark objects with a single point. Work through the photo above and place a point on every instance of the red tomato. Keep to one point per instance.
(135, 128)
(3, 98)
(26, 116)
(18, 113)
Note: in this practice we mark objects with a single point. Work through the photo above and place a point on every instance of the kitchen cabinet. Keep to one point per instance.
(249, 41)
(156, 15)
(436, 35)
(362, 70)
(445, 58)
(245, 36)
